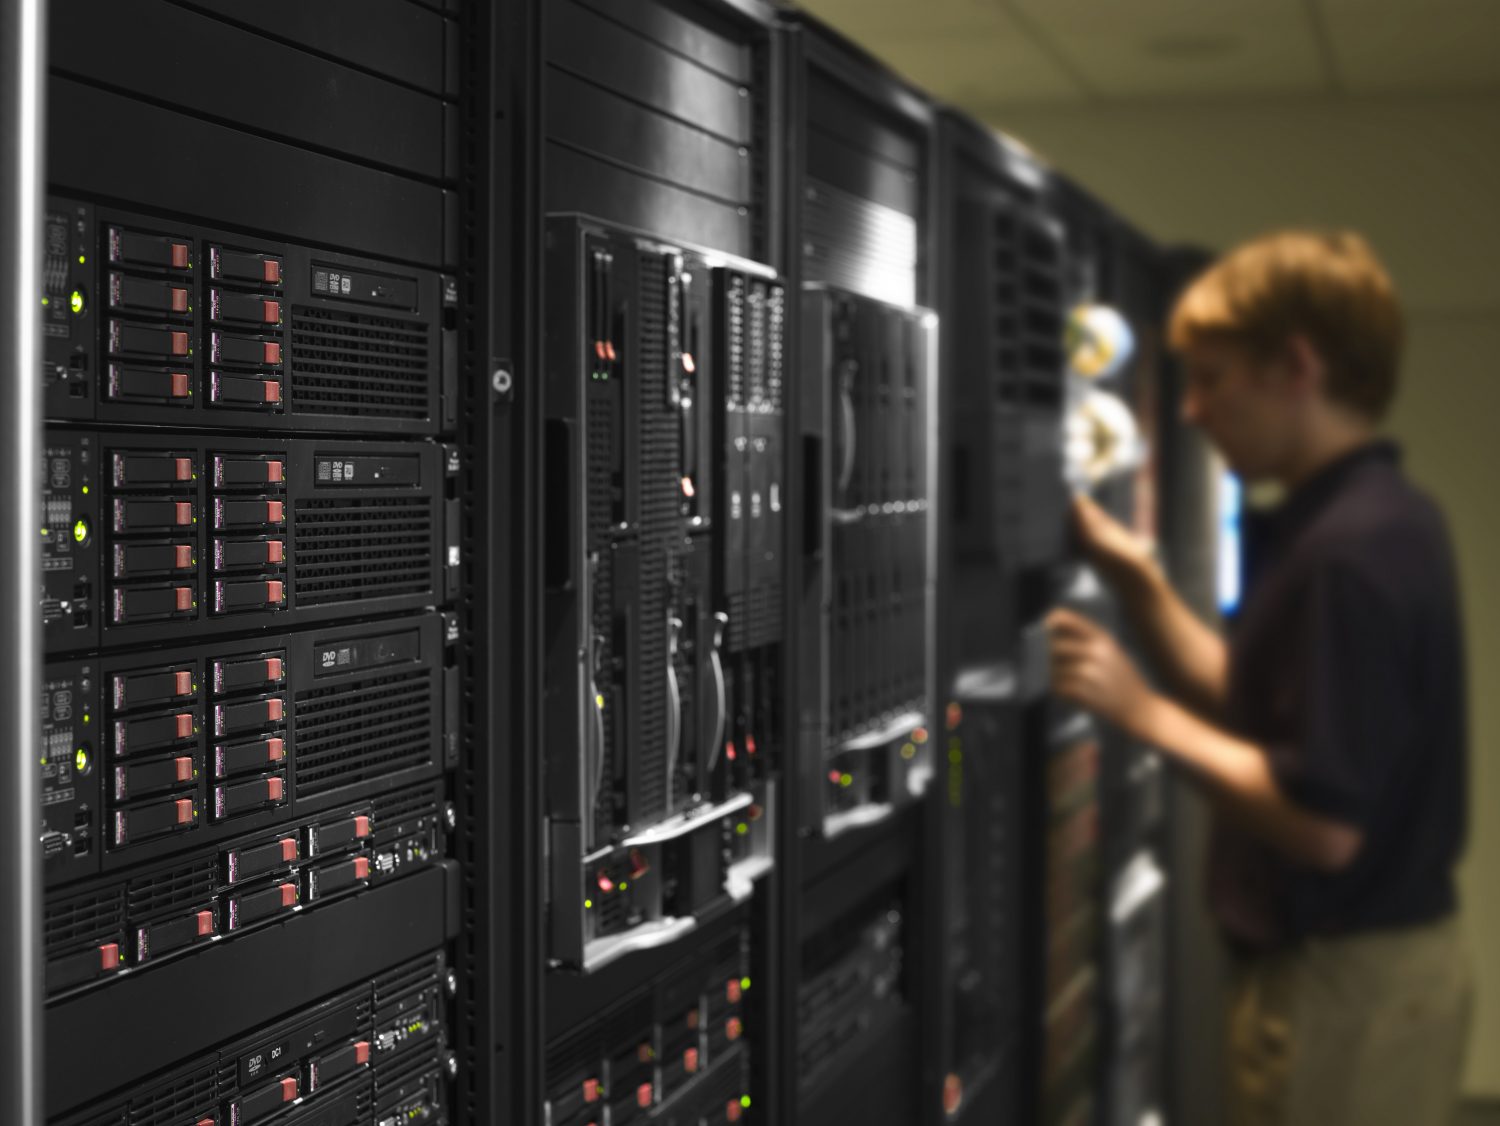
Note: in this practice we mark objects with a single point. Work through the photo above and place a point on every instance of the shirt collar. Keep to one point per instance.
(1267, 533)
(1314, 494)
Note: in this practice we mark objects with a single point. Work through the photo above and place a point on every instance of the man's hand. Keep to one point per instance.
(1121, 556)
(1090, 668)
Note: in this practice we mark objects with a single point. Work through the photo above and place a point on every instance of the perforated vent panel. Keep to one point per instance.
(83, 919)
(734, 384)
(601, 459)
(349, 363)
(361, 548)
(394, 984)
(404, 806)
(661, 518)
(1026, 262)
(184, 1101)
(362, 731)
(183, 888)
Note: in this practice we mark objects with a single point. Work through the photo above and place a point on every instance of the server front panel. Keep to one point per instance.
(663, 585)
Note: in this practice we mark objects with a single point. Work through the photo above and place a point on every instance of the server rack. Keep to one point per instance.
(250, 714)
(1116, 266)
(858, 195)
(660, 137)
(554, 257)
(1024, 264)
(498, 209)
(986, 674)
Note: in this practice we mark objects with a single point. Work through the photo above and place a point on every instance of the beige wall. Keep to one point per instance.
(1421, 177)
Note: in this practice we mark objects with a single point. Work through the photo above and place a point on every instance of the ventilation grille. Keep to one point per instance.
(570, 1061)
(394, 984)
(358, 732)
(114, 1117)
(187, 1100)
(757, 353)
(734, 344)
(404, 806)
(757, 613)
(602, 458)
(775, 390)
(393, 1087)
(661, 519)
(84, 919)
(763, 343)
(359, 364)
(175, 891)
(349, 550)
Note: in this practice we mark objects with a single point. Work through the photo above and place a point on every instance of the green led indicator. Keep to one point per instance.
(80, 530)
(742, 828)
(623, 885)
(81, 761)
(587, 903)
(744, 983)
(75, 301)
(846, 780)
(46, 531)
(82, 259)
(87, 718)
(46, 300)
(85, 490)
(745, 1101)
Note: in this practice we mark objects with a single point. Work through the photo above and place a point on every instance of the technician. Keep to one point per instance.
(1329, 732)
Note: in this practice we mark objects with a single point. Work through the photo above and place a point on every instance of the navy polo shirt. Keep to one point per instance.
(1346, 667)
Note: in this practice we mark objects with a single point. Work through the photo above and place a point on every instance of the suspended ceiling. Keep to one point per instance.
(986, 54)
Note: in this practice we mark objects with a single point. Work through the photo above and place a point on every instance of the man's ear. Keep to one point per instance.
(1307, 371)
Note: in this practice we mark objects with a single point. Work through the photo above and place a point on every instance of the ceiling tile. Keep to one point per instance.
(965, 52)
(1415, 45)
(866, 20)
(965, 71)
(1149, 48)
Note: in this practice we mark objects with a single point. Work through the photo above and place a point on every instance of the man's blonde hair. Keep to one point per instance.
(1325, 285)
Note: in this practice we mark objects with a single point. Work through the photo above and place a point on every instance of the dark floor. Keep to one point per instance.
(1479, 1114)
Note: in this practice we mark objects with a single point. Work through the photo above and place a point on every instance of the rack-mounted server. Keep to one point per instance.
(372, 1055)
(866, 589)
(665, 441)
(676, 1049)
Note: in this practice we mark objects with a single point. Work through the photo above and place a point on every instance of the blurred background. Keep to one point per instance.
(1207, 123)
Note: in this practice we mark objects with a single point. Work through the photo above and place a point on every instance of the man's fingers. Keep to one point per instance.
(1064, 621)
(1073, 649)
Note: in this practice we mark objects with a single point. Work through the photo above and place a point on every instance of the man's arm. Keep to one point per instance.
(1189, 656)
(1239, 780)
(1089, 668)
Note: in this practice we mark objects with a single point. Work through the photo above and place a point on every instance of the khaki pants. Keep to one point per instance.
(1367, 1030)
